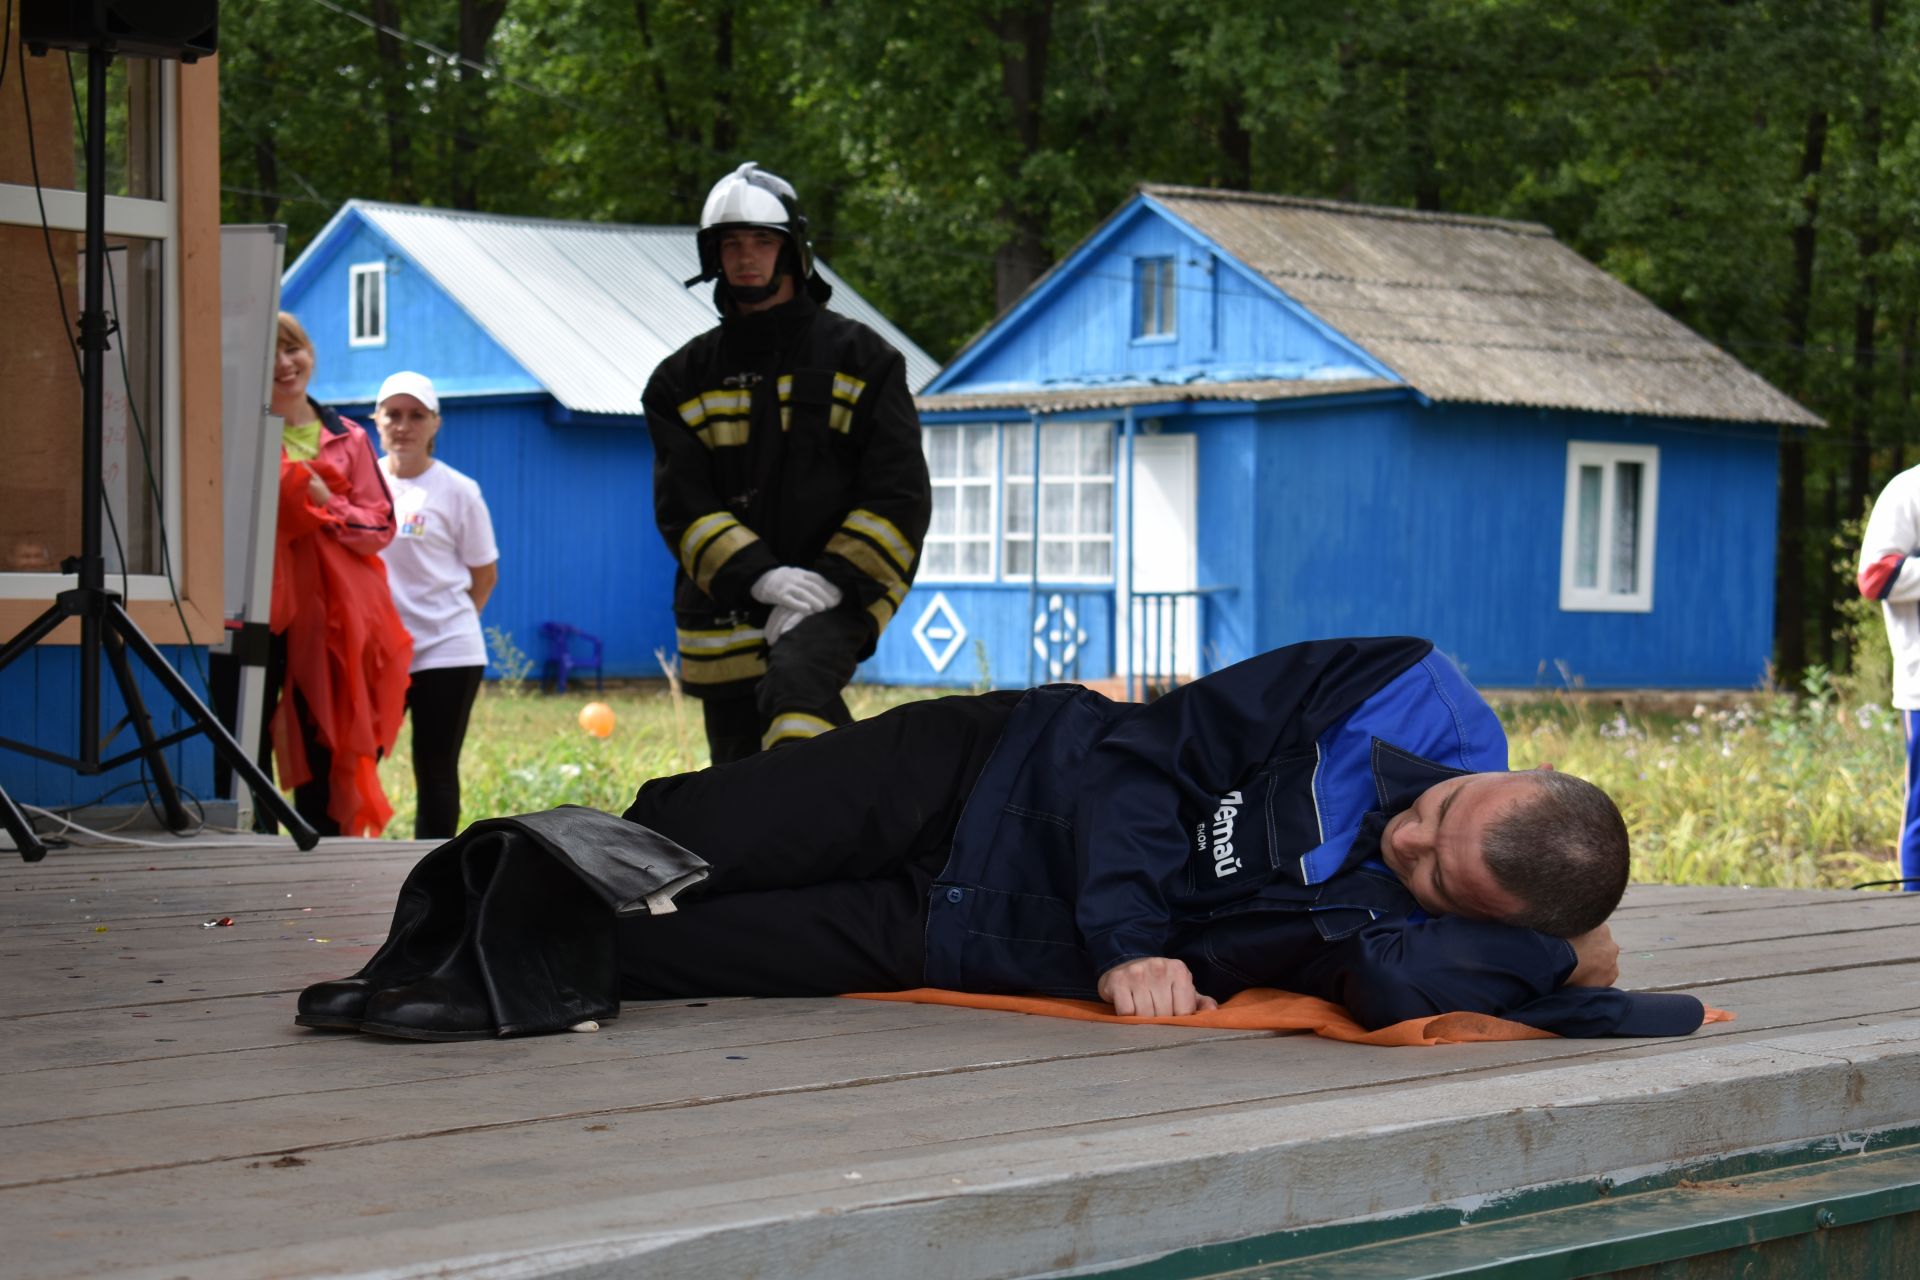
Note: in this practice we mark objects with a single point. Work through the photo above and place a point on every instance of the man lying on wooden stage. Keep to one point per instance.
(1333, 818)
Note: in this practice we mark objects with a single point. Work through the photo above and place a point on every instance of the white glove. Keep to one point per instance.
(781, 621)
(801, 590)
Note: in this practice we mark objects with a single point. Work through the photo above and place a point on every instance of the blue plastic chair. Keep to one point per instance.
(565, 655)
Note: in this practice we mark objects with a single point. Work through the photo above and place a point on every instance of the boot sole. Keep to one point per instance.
(398, 1032)
(325, 1023)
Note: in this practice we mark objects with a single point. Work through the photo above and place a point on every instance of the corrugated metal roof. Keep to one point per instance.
(1114, 396)
(1481, 310)
(587, 308)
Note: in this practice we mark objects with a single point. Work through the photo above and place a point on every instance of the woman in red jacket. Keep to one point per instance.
(339, 665)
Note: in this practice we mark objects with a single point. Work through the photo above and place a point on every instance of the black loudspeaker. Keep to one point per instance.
(183, 29)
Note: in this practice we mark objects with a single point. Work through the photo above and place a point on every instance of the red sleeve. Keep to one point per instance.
(363, 510)
(1877, 579)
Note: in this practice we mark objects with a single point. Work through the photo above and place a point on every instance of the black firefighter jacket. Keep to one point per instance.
(785, 437)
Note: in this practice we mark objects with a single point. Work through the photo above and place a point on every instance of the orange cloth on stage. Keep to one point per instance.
(347, 653)
(1258, 1009)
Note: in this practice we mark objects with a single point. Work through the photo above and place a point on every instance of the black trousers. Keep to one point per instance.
(311, 798)
(440, 701)
(822, 856)
(799, 697)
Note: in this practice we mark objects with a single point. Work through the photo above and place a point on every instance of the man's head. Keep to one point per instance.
(753, 238)
(1540, 849)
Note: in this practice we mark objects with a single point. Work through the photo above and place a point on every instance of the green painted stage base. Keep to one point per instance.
(1811, 1211)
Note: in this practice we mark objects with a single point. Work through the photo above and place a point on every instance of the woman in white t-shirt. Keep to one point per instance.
(442, 565)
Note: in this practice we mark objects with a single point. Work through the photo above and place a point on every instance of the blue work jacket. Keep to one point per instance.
(1234, 824)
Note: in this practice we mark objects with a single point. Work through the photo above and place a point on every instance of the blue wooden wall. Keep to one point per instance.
(1079, 326)
(1446, 522)
(572, 507)
(426, 330)
(40, 694)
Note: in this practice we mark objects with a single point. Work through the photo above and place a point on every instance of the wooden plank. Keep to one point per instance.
(771, 1191)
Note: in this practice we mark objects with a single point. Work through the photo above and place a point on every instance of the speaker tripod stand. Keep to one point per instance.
(105, 626)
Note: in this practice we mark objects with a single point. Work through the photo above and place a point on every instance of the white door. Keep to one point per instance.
(1163, 634)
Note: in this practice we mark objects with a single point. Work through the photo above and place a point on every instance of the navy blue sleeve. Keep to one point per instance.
(1189, 747)
(1396, 970)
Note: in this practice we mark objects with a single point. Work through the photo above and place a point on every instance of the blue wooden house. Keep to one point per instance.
(540, 337)
(1263, 419)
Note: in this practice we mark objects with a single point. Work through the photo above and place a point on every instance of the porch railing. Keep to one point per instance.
(1166, 639)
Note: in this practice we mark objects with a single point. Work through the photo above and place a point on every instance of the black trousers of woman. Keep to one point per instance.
(822, 854)
(311, 798)
(440, 700)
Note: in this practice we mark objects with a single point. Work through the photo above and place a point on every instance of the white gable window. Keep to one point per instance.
(1153, 286)
(1606, 539)
(367, 304)
(1075, 502)
(961, 461)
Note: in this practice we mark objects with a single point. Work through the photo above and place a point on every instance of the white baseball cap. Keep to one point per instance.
(408, 383)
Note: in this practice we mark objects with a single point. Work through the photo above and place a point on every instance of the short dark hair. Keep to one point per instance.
(1563, 852)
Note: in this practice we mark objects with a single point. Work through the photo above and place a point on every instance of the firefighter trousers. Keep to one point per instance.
(799, 696)
(822, 855)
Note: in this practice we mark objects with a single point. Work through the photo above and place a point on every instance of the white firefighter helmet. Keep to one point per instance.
(752, 197)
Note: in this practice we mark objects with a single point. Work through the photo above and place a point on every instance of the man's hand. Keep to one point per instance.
(1154, 987)
(801, 590)
(1596, 959)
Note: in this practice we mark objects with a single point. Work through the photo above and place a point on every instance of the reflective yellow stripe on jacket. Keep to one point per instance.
(872, 544)
(790, 726)
(709, 543)
(719, 417)
(722, 656)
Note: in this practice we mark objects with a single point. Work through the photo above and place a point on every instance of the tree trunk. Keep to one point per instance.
(1866, 307)
(1790, 596)
(478, 19)
(726, 132)
(1903, 420)
(1024, 31)
(394, 99)
(684, 189)
(1236, 145)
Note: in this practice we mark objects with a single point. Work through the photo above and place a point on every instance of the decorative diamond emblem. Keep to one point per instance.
(939, 633)
(1057, 636)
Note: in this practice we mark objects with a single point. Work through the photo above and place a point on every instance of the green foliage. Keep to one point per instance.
(1675, 144)
(509, 660)
(1778, 790)
(526, 751)
(1769, 791)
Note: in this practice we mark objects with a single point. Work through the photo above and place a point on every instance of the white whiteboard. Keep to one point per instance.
(250, 259)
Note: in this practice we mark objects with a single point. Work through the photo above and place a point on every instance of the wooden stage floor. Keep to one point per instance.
(163, 1116)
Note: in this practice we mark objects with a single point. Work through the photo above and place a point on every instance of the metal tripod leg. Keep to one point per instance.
(175, 813)
(262, 787)
(15, 821)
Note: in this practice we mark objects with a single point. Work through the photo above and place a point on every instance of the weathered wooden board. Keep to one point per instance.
(147, 1126)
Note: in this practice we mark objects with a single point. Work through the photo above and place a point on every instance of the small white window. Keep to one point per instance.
(1606, 540)
(367, 305)
(961, 461)
(1075, 502)
(1153, 282)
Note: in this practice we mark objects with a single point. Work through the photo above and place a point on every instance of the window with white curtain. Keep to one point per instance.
(1607, 529)
(1074, 510)
(961, 461)
(367, 304)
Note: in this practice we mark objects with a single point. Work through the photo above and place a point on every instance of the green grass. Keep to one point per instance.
(526, 751)
(1772, 790)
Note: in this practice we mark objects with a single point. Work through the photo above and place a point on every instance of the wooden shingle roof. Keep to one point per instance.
(1481, 310)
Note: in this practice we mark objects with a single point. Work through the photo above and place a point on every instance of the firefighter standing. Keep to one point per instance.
(789, 481)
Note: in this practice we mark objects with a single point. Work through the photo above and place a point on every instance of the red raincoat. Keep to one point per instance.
(347, 651)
